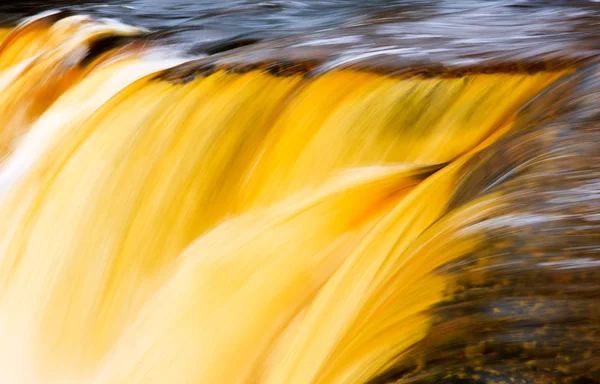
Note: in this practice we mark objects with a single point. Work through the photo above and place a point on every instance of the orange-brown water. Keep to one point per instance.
(236, 219)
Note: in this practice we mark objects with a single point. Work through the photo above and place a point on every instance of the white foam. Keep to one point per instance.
(47, 129)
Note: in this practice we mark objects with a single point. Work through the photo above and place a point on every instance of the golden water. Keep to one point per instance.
(236, 228)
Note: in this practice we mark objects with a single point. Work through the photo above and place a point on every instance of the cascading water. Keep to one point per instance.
(345, 206)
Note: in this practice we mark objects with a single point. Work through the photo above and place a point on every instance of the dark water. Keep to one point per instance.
(275, 17)
(381, 35)
(414, 31)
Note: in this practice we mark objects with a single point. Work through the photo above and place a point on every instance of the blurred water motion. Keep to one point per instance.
(300, 192)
